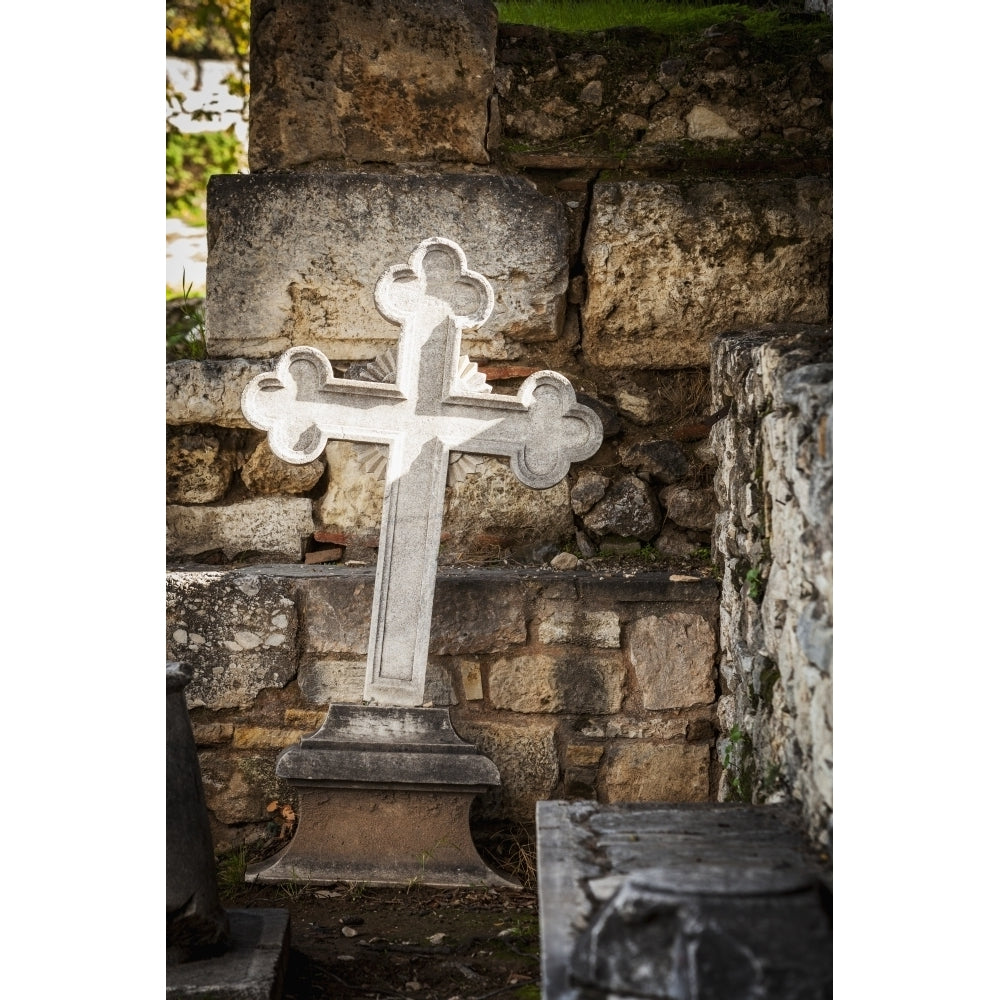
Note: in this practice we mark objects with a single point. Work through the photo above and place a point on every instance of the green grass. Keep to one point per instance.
(678, 18)
(593, 15)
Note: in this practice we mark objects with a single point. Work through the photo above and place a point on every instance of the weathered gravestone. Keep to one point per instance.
(385, 788)
(211, 952)
(667, 901)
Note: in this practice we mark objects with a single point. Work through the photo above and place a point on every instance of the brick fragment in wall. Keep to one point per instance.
(640, 771)
(674, 659)
(526, 757)
(571, 681)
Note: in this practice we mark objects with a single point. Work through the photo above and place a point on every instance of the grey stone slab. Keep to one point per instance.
(425, 403)
(253, 967)
(294, 259)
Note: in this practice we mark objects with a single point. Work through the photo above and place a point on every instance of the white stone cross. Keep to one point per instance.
(438, 403)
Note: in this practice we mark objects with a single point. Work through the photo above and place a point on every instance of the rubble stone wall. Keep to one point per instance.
(578, 685)
(774, 540)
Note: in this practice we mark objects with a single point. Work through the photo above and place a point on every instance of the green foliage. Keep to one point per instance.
(738, 765)
(209, 29)
(231, 870)
(186, 331)
(755, 584)
(191, 159)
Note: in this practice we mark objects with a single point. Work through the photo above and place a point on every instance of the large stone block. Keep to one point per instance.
(490, 510)
(238, 634)
(561, 623)
(673, 657)
(208, 392)
(527, 761)
(635, 771)
(336, 615)
(200, 466)
(671, 266)
(294, 259)
(272, 526)
(386, 81)
(567, 682)
(477, 614)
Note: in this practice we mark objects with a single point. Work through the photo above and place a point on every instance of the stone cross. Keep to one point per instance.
(436, 403)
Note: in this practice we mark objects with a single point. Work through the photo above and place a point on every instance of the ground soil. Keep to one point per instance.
(416, 942)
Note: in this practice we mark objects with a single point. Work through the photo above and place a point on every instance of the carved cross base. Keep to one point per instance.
(384, 797)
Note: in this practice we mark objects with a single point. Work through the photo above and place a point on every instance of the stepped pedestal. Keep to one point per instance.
(384, 797)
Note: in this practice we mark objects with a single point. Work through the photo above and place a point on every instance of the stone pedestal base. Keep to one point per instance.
(384, 798)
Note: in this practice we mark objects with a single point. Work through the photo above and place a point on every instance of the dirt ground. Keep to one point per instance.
(417, 942)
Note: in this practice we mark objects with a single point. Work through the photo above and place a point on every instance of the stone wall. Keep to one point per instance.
(630, 197)
(575, 684)
(774, 539)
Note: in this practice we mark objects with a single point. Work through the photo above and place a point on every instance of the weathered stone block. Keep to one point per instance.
(290, 262)
(200, 467)
(636, 771)
(384, 81)
(264, 474)
(527, 761)
(336, 614)
(208, 392)
(273, 526)
(257, 737)
(324, 682)
(581, 628)
(352, 503)
(673, 658)
(238, 787)
(209, 734)
(669, 267)
(490, 509)
(306, 719)
(572, 682)
(477, 614)
(629, 510)
(472, 680)
(238, 633)
(690, 508)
